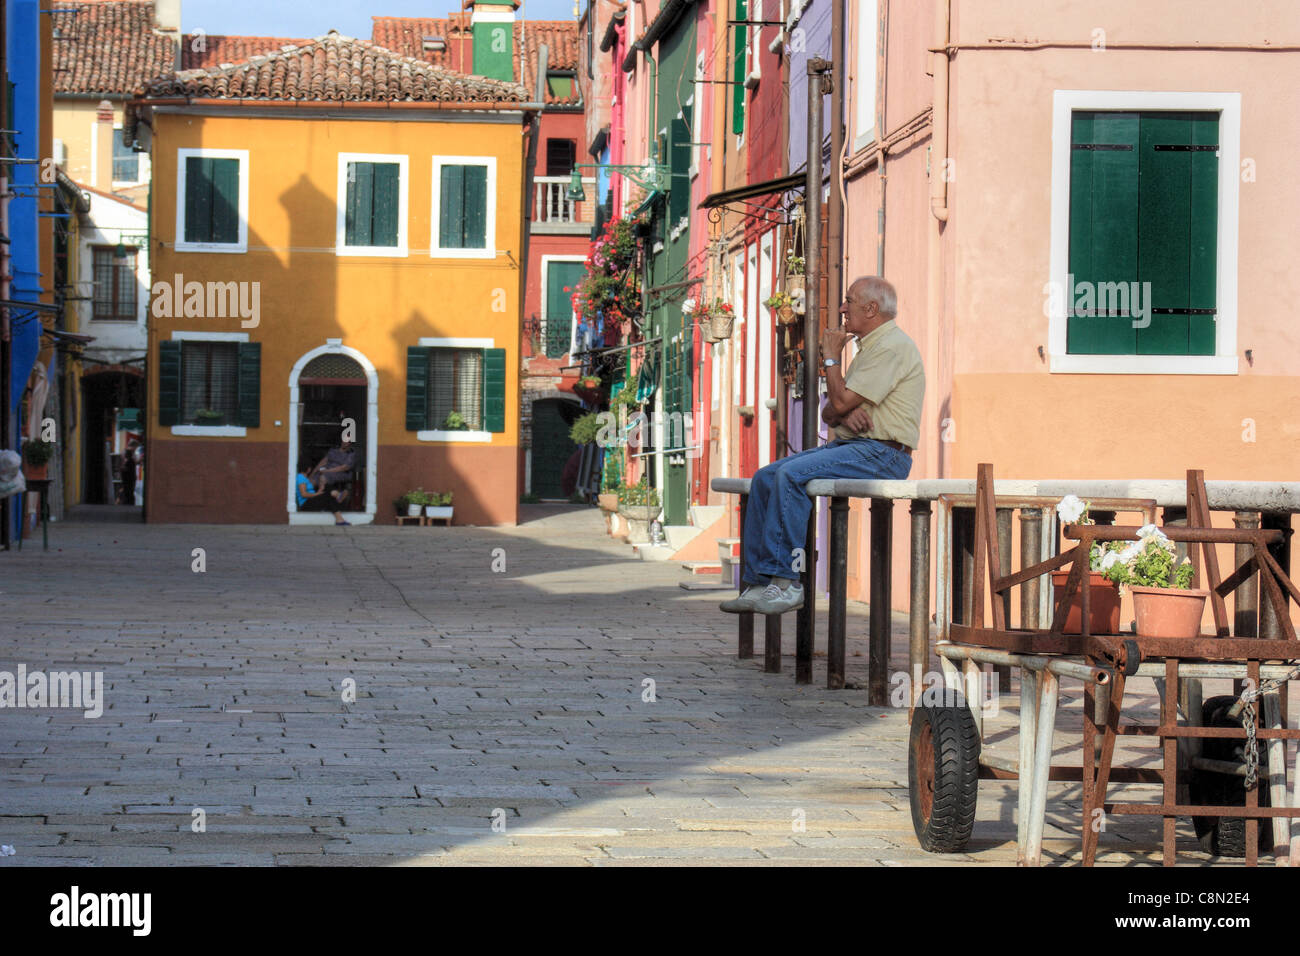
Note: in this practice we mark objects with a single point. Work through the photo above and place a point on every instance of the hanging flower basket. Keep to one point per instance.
(783, 305)
(793, 285)
(721, 323)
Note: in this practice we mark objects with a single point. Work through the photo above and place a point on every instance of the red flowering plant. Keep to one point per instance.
(607, 291)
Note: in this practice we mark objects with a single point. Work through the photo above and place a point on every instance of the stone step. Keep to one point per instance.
(704, 515)
(702, 567)
(678, 536)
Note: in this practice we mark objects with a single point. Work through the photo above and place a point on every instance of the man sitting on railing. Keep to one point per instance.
(875, 413)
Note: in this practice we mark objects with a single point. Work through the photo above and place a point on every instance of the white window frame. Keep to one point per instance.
(449, 437)
(573, 315)
(754, 40)
(239, 246)
(208, 431)
(864, 84)
(490, 233)
(139, 166)
(696, 103)
(1224, 360)
(341, 248)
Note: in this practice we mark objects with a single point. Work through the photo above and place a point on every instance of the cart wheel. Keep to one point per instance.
(1225, 836)
(943, 775)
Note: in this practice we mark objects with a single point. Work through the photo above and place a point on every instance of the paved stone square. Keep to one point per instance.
(500, 717)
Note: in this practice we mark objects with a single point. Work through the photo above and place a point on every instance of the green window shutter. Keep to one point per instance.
(451, 208)
(169, 383)
(360, 203)
(739, 74)
(1179, 215)
(494, 390)
(679, 188)
(559, 305)
(1204, 235)
(225, 200)
(250, 384)
(417, 387)
(386, 194)
(1103, 224)
(198, 199)
(474, 235)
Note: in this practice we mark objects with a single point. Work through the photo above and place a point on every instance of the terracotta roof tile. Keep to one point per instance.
(215, 50)
(406, 36)
(339, 69)
(108, 47)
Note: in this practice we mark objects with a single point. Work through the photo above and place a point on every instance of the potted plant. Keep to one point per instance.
(722, 318)
(783, 303)
(455, 422)
(437, 505)
(36, 459)
(794, 272)
(1165, 603)
(209, 416)
(412, 501)
(585, 430)
(638, 505)
(590, 388)
(1103, 593)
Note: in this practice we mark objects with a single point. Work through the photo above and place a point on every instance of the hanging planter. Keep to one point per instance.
(783, 305)
(721, 321)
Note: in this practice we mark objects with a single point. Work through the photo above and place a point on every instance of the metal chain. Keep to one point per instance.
(1248, 698)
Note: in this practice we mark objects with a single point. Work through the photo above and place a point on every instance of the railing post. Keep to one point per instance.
(1270, 628)
(772, 643)
(1245, 600)
(1004, 516)
(807, 620)
(837, 585)
(882, 515)
(745, 647)
(1031, 544)
(918, 644)
(963, 563)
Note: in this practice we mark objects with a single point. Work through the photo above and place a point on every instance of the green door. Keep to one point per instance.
(552, 447)
(561, 279)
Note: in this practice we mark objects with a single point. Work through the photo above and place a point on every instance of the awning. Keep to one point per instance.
(784, 184)
(646, 203)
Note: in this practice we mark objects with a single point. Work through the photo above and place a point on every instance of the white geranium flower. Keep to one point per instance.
(1070, 509)
(1132, 551)
(688, 306)
(1151, 531)
(1109, 560)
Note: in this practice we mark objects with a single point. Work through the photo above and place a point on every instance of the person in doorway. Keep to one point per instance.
(311, 499)
(334, 471)
(874, 410)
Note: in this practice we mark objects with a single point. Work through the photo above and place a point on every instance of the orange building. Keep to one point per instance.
(336, 235)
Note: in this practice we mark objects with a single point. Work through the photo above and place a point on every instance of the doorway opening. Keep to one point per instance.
(111, 403)
(333, 393)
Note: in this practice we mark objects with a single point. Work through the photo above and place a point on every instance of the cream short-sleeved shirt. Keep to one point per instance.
(887, 372)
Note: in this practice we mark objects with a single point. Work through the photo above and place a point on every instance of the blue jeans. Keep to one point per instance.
(776, 519)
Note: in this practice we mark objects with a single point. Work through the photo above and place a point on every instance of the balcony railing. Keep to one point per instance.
(552, 210)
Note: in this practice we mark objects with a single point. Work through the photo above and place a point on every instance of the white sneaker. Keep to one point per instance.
(743, 603)
(774, 600)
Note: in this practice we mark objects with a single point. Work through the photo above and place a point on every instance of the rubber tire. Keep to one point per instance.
(1226, 836)
(943, 799)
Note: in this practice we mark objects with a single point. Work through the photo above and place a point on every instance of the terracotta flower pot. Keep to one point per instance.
(1103, 603)
(785, 315)
(1168, 612)
(608, 501)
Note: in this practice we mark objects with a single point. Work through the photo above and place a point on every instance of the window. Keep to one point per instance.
(1143, 253)
(864, 84)
(679, 159)
(1143, 200)
(559, 280)
(212, 200)
(115, 286)
(464, 214)
(372, 204)
(559, 85)
(560, 156)
(455, 390)
(209, 383)
(126, 161)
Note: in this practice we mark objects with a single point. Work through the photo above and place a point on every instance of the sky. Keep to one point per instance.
(312, 18)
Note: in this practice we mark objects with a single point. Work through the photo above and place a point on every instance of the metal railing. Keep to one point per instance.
(1267, 504)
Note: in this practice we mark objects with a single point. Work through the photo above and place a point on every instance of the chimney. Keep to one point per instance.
(101, 176)
(167, 19)
(492, 23)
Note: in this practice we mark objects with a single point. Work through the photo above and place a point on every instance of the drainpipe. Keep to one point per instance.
(534, 129)
(653, 142)
(6, 505)
(939, 345)
(835, 208)
(882, 34)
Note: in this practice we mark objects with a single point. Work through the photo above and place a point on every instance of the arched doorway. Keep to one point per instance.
(332, 389)
(552, 447)
(111, 417)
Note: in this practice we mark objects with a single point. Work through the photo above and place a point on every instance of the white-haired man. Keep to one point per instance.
(874, 410)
